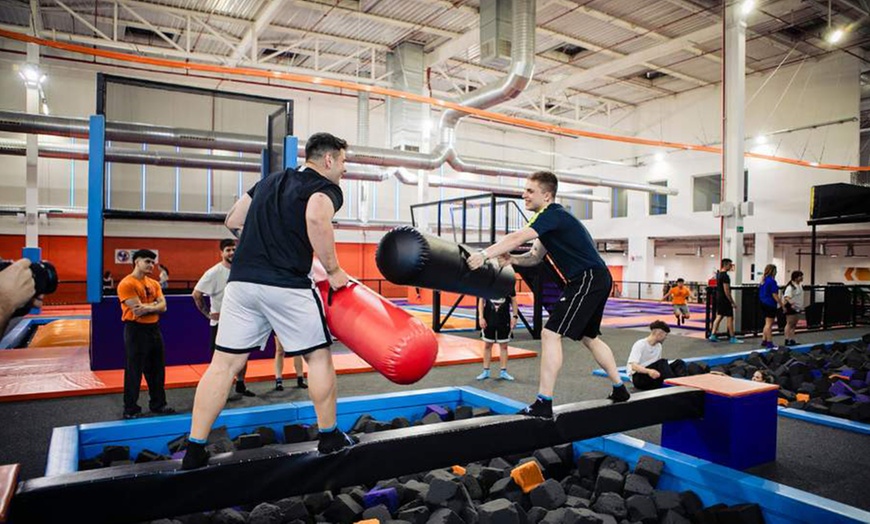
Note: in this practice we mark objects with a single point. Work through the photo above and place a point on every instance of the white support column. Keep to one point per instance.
(362, 139)
(31, 191)
(764, 255)
(734, 93)
(641, 254)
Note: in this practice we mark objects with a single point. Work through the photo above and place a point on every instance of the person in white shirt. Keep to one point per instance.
(793, 303)
(212, 283)
(646, 367)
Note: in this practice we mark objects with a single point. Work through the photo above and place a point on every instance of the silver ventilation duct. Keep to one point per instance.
(15, 122)
(518, 77)
(138, 156)
(246, 164)
(366, 173)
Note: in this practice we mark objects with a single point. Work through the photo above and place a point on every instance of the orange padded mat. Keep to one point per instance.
(53, 372)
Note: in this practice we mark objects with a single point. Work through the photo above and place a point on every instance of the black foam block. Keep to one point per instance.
(115, 453)
(667, 501)
(294, 433)
(650, 468)
(548, 495)
(266, 513)
(589, 462)
(317, 502)
(609, 480)
(417, 515)
(610, 504)
(444, 516)
(343, 509)
(615, 464)
(637, 485)
(379, 512)
(441, 490)
(249, 441)
(641, 509)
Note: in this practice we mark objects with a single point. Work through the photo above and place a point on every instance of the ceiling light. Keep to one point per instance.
(760, 140)
(814, 164)
(660, 157)
(746, 7)
(835, 35)
(31, 75)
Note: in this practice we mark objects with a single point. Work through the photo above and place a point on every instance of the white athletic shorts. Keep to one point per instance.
(250, 312)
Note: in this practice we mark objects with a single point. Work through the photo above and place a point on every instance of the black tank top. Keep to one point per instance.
(274, 248)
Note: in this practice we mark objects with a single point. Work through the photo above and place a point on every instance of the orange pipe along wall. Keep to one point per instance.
(186, 259)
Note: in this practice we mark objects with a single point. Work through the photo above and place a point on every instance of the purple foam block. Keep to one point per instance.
(432, 408)
(847, 372)
(841, 388)
(178, 455)
(837, 388)
(862, 398)
(858, 384)
(816, 373)
(387, 496)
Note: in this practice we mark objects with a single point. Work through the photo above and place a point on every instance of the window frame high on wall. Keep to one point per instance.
(105, 80)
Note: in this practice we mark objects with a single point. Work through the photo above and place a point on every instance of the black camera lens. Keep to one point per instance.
(44, 280)
(44, 277)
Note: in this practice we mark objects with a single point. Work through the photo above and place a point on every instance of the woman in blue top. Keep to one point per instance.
(768, 294)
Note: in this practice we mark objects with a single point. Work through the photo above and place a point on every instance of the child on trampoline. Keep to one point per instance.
(497, 318)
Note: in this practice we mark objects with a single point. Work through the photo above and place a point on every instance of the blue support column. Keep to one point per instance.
(264, 162)
(291, 144)
(34, 254)
(96, 177)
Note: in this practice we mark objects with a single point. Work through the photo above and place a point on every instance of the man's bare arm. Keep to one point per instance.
(235, 219)
(532, 258)
(200, 303)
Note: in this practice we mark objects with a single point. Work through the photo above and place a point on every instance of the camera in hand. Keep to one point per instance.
(44, 280)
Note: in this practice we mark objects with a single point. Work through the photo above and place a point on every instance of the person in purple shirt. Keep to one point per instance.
(768, 295)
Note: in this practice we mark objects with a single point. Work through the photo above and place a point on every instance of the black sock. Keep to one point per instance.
(240, 386)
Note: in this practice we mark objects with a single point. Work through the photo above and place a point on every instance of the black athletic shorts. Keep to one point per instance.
(499, 333)
(578, 312)
(724, 309)
(769, 311)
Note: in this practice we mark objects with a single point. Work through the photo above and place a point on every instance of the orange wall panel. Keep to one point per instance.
(186, 259)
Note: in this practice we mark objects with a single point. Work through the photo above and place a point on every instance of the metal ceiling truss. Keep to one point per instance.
(241, 42)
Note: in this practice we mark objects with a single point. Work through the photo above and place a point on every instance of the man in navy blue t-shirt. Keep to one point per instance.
(284, 220)
(578, 313)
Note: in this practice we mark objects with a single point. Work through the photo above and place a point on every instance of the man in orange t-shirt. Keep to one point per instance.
(142, 302)
(680, 295)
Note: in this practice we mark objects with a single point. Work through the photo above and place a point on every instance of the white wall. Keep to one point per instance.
(796, 96)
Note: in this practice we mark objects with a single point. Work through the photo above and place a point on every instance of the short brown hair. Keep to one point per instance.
(319, 144)
(658, 324)
(547, 180)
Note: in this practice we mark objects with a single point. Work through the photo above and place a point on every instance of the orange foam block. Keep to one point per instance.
(782, 402)
(458, 471)
(528, 476)
(803, 397)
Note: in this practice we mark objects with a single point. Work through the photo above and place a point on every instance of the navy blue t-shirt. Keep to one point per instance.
(567, 240)
(768, 288)
(274, 248)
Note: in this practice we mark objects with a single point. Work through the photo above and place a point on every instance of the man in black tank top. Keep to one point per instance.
(282, 221)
